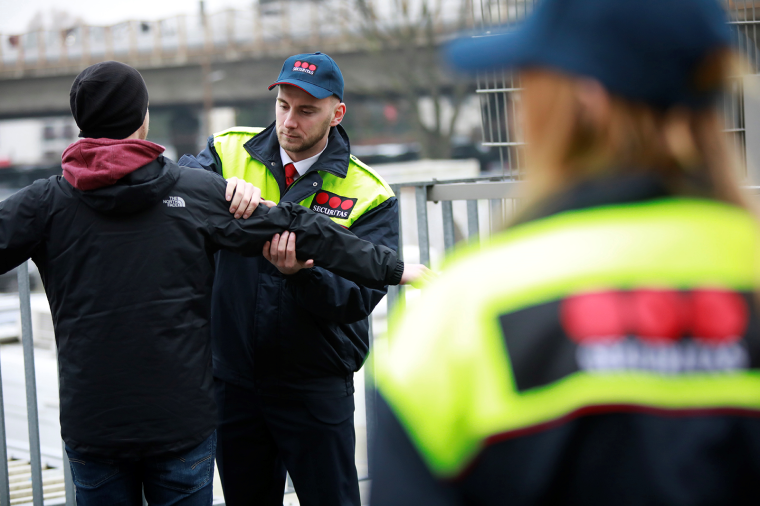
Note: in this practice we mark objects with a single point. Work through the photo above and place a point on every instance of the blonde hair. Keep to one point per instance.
(686, 148)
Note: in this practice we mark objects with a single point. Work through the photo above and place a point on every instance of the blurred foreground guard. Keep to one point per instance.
(604, 349)
(124, 242)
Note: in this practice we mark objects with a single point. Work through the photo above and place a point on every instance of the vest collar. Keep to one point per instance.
(615, 189)
(265, 148)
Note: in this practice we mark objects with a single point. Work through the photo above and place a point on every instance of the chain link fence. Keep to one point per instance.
(499, 91)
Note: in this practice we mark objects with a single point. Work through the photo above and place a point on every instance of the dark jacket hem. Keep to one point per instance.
(138, 451)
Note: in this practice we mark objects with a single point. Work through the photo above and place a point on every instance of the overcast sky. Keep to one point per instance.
(16, 14)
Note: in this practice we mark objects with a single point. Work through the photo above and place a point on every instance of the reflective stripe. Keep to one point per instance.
(447, 375)
(361, 182)
(236, 162)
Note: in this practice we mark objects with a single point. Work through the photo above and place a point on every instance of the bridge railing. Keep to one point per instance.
(267, 28)
(275, 27)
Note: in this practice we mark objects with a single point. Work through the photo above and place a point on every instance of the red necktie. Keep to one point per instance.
(290, 174)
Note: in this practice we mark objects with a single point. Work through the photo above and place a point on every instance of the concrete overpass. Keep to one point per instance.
(231, 82)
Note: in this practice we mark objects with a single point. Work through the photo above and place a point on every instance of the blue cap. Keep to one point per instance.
(643, 50)
(315, 73)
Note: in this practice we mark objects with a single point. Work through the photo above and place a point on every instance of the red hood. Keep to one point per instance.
(89, 164)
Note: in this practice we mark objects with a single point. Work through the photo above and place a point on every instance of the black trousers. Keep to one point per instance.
(260, 437)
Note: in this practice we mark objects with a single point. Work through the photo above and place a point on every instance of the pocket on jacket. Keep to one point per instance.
(332, 410)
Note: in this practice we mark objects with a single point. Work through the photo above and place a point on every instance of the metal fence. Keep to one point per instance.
(744, 20)
(11, 490)
(499, 90)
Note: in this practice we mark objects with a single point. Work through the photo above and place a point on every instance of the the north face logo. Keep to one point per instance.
(304, 66)
(174, 202)
(333, 205)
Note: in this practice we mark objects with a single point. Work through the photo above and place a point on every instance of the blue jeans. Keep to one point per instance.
(183, 479)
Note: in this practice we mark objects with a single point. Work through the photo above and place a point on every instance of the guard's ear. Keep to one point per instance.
(339, 112)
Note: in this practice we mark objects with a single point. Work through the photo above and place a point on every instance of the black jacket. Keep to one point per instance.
(308, 333)
(128, 270)
(630, 452)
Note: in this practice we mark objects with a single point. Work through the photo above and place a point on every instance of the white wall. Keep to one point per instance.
(467, 121)
(20, 141)
(23, 142)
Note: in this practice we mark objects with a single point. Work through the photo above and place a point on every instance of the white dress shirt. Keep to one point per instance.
(303, 165)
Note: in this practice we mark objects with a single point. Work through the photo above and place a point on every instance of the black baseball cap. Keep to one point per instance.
(644, 50)
(108, 100)
(315, 73)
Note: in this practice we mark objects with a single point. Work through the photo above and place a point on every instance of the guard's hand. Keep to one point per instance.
(281, 251)
(416, 275)
(246, 197)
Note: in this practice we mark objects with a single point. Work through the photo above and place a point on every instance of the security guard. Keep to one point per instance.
(288, 339)
(606, 348)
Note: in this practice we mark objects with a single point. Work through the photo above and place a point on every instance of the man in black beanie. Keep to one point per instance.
(109, 99)
(124, 242)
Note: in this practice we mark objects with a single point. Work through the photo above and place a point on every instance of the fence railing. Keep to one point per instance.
(35, 457)
(469, 210)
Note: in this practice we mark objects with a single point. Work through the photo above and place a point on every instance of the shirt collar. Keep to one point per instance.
(303, 165)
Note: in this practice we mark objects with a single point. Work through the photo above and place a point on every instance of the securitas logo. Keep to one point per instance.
(174, 202)
(666, 332)
(333, 205)
(304, 66)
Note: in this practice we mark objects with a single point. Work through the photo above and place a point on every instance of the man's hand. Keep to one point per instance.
(416, 275)
(281, 251)
(246, 197)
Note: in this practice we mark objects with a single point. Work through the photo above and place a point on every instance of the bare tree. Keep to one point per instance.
(405, 36)
(54, 19)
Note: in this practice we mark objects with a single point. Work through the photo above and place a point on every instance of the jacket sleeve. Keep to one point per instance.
(21, 225)
(336, 299)
(317, 237)
(207, 159)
